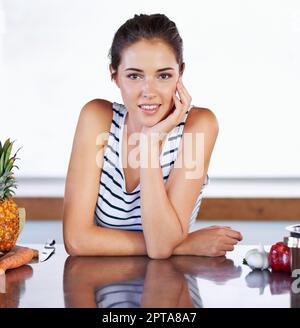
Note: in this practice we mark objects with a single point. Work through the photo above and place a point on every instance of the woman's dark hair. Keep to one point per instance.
(148, 27)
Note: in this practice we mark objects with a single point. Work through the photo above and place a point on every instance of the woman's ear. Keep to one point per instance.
(113, 76)
(182, 68)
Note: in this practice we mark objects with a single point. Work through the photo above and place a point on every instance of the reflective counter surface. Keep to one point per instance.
(138, 281)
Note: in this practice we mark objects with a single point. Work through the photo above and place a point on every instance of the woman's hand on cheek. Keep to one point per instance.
(176, 116)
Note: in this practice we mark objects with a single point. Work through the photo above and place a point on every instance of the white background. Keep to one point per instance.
(242, 61)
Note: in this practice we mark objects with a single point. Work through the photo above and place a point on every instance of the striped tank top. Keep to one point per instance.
(115, 207)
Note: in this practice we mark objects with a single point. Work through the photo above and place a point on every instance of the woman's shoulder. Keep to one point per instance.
(201, 119)
(95, 118)
(97, 112)
(100, 107)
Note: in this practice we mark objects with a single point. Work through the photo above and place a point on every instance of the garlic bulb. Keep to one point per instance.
(257, 258)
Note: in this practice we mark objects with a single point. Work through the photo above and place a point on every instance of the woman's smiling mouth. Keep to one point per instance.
(149, 108)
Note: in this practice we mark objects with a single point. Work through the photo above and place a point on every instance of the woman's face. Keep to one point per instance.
(148, 74)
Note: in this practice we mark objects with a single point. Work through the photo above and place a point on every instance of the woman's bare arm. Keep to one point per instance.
(82, 183)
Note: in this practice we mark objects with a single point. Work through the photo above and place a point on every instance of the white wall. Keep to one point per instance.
(242, 61)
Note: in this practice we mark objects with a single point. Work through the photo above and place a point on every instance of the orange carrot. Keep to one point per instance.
(21, 256)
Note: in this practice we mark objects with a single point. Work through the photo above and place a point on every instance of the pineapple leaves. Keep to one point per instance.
(3, 153)
(9, 166)
(1, 163)
(6, 158)
(7, 179)
(6, 145)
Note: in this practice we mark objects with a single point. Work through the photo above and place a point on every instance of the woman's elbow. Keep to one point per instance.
(73, 243)
(71, 247)
(159, 255)
(166, 251)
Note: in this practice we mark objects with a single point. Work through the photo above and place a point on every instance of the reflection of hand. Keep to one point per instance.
(14, 286)
(217, 269)
(195, 264)
(210, 241)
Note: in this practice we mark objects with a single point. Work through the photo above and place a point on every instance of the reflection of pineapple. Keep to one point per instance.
(10, 224)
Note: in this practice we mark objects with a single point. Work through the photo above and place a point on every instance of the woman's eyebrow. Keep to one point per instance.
(140, 70)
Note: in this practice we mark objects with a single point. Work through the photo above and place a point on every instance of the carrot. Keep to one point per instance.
(35, 251)
(21, 256)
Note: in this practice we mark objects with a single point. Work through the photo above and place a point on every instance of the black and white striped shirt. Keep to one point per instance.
(116, 208)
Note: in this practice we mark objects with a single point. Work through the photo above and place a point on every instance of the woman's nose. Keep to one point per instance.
(149, 87)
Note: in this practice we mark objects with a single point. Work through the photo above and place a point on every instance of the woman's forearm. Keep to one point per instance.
(162, 227)
(101, 241)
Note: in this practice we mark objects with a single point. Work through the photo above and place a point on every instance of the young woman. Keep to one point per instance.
(129, 188)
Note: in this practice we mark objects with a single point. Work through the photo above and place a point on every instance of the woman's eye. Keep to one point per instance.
(166, 74)
(133, 76)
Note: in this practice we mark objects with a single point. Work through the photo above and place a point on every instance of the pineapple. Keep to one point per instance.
(10, 224)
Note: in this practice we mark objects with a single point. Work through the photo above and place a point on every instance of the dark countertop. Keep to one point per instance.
(138, 281)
